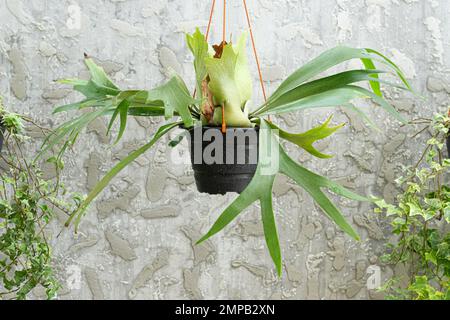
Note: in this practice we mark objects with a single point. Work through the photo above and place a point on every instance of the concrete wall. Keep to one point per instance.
(138, 239)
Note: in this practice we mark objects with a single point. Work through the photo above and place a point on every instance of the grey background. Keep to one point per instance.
(137, 240)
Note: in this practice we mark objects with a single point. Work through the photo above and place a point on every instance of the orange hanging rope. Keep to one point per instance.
(210, 19)
(224, 124)
(261, 81)
(254, 50)
(224, 26)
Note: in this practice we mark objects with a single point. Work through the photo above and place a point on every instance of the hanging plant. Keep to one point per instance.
(222, 103)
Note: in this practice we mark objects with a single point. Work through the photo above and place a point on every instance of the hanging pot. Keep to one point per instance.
(223, 162)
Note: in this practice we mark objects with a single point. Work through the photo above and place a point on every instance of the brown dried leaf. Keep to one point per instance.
(219, 49)
(208, 104)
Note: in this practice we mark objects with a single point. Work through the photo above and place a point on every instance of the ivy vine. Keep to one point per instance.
(420, 221)
(27, 206)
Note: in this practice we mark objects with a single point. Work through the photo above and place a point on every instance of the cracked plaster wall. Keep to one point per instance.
(137, 240)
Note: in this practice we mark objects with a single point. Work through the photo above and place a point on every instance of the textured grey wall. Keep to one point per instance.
(137, 240)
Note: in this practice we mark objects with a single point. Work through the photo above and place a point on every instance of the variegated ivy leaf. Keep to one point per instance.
(447, 213)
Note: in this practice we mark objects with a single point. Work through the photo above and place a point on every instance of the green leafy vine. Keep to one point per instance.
(27, 206)
(420, 222)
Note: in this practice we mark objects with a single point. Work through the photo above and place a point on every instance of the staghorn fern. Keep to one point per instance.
(223, 81)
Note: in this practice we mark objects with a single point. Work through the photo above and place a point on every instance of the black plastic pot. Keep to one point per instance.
(230, 171)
